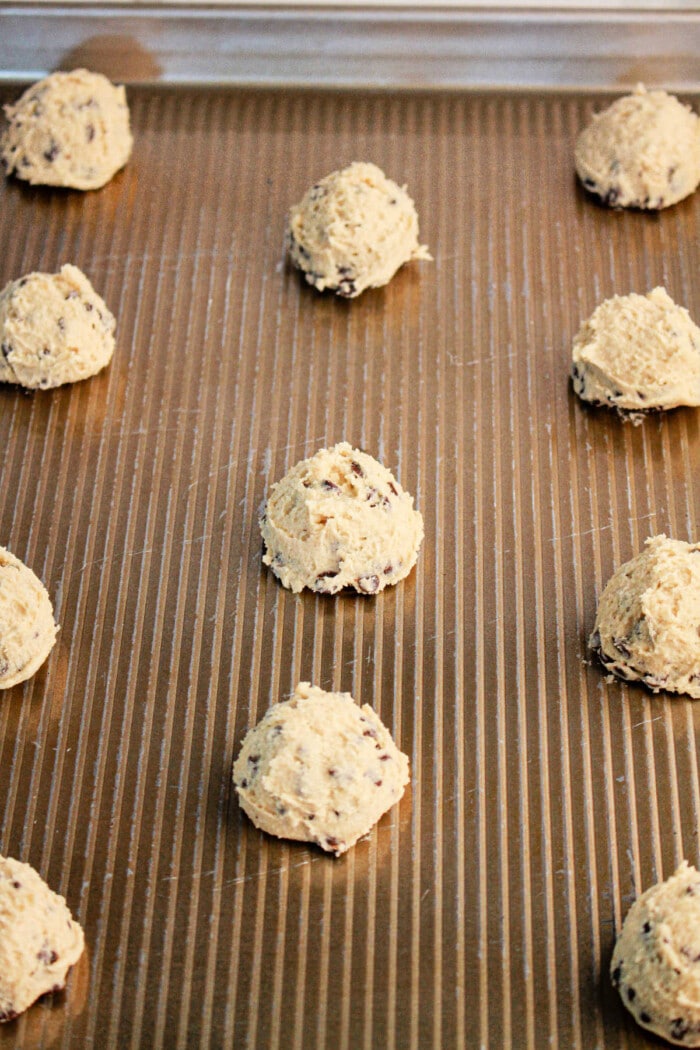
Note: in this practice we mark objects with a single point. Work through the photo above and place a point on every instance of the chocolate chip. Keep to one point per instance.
(347, 288)
(329, 486)
(319, 585)
(646, 928)
(332, 842)
(616, 975)
(90, 132)
(378, 783)
(385, 758)
(631, 994)
(621, 647)
(368, 584)
(612, 196)
(6, 349)
(393, 488)
(644, 1017)
(61, 322)
(253, 760)
(88, 306)
(16, 884)
(388, 569)
(52, 152)
(370, 732)
(357, 469)
(244, 783)
(47, 955)
(679, 1028)
(655, 681)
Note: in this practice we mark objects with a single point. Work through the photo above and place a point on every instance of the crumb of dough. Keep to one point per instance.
(353, 230)
(647, 627)
(69, 129)
(643, 151)
(340, 519)
(656, 961)
(27, 627)
(319, 768)
(54, 329)
(638, 354)
(39, 938)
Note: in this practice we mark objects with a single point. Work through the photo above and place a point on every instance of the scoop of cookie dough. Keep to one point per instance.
(643, 151)
(319, 768)
(70, 129)
(39, 939)
(648, 623)
(638, 353)
(353, 230)
(340, 519)
(656, 960)
(54, 329)
(27, 627)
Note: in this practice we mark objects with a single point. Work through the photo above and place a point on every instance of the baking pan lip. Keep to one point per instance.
(402, 47)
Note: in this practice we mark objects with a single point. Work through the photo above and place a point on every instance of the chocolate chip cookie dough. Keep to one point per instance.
(340, 519)
(638, 353)
(353, 230)
(643, 151)
(39, 939)
(70, 129)
(656, 961)
(27, 627)
(319, 768)
(648, 624)
(54, 329)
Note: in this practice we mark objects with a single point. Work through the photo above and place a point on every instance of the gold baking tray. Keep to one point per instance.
(481, 911)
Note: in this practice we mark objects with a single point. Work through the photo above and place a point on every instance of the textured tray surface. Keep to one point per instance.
(480, 912)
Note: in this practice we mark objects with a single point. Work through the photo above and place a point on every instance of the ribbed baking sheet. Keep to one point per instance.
(482, 910)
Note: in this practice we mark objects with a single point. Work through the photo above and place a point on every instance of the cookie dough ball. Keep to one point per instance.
(70, 129)
(656, 961)
(319, 768)
(27, 627)
(638, 353)
(39, 939)
(340, 519)
(353, 230)
(641, 152)
(648, 624)
(54, 329)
